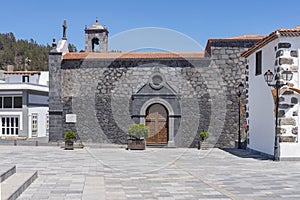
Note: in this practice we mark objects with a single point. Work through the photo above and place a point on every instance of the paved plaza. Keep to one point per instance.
(156, 173)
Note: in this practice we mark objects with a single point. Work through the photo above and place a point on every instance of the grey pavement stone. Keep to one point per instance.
(92, 173)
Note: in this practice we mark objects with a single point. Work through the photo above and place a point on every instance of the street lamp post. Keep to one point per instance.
(279, 78)
(239, 93)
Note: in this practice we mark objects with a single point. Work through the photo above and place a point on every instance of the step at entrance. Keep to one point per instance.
(6, 171)
(13, 183)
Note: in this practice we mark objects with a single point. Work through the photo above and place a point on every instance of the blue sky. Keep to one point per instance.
(200, 20)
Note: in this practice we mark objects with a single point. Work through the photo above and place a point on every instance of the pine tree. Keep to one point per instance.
(14, 52)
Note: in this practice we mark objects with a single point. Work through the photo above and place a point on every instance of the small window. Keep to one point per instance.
(7, 102)
(17, 102)
(294, 54)
(276, 62)
(284, 45)
(11, 102)
(10, 125)
(34, 121)
(279, 53)
(25, 79)
(7, 122)
(12, 120)
(258, 64)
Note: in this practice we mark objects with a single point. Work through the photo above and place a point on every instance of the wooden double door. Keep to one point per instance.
(157, 121)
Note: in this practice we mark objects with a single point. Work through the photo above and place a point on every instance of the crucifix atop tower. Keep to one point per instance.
(64, 30)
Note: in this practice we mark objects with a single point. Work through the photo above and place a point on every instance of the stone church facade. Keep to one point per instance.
(98, 94)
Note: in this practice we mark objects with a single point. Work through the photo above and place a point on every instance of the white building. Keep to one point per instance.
(24, 104)
(277, 52)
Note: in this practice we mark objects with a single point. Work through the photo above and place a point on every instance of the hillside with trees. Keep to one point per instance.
(20, 53)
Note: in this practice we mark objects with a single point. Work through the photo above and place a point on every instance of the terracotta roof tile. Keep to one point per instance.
(133, 55)
(243, 37)
(22, 72)
(233, 39)
(274, 35)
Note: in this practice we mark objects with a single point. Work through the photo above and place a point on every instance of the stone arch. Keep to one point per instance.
(167, 105)
(95, 44)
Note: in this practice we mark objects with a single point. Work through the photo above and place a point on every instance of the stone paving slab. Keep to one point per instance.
(6, 171)
(104, 173)
(16, 184)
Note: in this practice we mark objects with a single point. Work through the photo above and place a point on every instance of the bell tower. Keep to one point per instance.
(96, 38)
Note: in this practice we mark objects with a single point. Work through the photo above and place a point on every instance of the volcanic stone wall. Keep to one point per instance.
(100, 93)
(227, 55)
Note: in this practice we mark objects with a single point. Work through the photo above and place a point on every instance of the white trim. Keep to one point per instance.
(9, 125)
(34, 124)
(20, 114)
(171, 142)
(23, 86)
(41, 124)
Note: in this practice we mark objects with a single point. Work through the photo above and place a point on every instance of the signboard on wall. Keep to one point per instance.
(71, 118)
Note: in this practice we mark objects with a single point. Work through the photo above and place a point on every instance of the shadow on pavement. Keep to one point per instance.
(242, 153)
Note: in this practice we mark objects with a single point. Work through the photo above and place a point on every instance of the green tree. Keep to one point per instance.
(14, 52)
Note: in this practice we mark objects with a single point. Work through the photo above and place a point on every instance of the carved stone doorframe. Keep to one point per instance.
(171, 141)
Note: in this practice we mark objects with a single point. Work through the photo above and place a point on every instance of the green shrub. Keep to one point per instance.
(138, 131)
(70, 136)
(203, 135)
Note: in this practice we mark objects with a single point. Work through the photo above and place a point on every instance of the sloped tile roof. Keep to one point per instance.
(133, 55)
(22, 72)
(274, 35)
(243, 38)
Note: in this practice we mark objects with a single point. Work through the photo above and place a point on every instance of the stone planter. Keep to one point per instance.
(69, 145)
(136, 144)
(203, 145)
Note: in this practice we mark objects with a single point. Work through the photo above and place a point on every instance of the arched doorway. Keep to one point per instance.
(170, 116)
(157, 121)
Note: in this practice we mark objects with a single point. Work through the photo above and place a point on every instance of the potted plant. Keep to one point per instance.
(69, 140)
(137, 135)
(202, 143)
